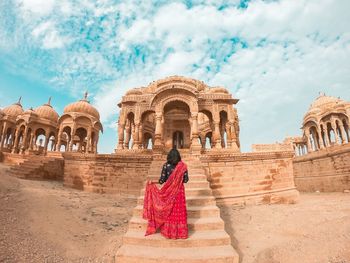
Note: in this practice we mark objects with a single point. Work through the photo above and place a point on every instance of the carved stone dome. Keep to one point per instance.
(47, 112)
(218, 90)
(30, 112)
(82, 106)
(324, 104)
(14, 110)
(324, 101)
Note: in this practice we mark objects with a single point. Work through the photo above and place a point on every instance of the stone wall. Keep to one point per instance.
(273, 147)
(38, 167)
(107, 173)
(327, 170)
(13, 159)
(251, 178)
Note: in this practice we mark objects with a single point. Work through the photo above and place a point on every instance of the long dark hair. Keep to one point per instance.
(173, 157)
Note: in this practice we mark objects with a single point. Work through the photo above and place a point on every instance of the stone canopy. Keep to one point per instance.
(178, 112)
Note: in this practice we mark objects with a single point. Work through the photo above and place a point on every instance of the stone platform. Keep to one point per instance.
(207, 242)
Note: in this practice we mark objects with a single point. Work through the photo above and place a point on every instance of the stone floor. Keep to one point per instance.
(41, 221)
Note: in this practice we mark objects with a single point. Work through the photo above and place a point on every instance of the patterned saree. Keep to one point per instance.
(165, 208)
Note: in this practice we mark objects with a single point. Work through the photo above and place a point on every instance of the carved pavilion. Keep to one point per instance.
(178, 112)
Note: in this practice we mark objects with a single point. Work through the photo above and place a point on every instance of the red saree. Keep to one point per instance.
(165, 208)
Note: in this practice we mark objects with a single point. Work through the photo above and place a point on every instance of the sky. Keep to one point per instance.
(274, 56)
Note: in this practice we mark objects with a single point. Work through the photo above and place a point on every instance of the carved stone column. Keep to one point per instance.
(320, 138)
(31, 140)
(336, 135)
(71, 141)
(24, 144)
(343, 133)
(88, 143)
(195, 145)
(96, 143)
(15, 146)
(47, 139)
(308, 143)
(58, 144)
(127, 135)
(217, 137)
(326, 136)
(141, 136)
(3, 137)
(136, 138)
(158, 135)
(121, 129)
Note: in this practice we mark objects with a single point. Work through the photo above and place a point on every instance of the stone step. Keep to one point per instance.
(192, 191)
(194, 224)
(195, 177)
(195, 239)
(192, 211)
(191, 201)
(214, 254)
(194, 184)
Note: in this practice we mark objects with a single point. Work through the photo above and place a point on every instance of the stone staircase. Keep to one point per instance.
(207, 242)
(38, 167)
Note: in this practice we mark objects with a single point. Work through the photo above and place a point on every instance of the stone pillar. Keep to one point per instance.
(203, 141)
(308, 143)
(195, 145)
(24, 144)
(127, 134)
(162, 129)
(325, 132)
(141, 136)
(136, 137)
(228, 135)
(343, 133)
(47, 139)
(121, 129)
(336, 135)
(3, 137)
(31, 140)
(216, 134)
(15, 146)
(88, 142)
(59, 143)
(71, 141)
(234, 145)
(96, 142)
(158, 135)
(320, 138)
(12, 141)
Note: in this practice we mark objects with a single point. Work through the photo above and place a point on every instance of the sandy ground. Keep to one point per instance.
(41, 221)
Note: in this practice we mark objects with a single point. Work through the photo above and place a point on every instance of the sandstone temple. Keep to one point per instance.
(202, 122)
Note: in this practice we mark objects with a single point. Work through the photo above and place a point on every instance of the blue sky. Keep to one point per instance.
(275, 56)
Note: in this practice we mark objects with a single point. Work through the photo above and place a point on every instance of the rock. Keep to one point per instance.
(347, 191)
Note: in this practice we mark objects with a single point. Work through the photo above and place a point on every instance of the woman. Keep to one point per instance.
(165, 208)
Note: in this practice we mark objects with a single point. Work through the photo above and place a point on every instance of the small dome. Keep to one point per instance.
(324, 101)
(14, 110)
(134, 91)
(82, 106)
(324, 104)
(30, 112)
(218, 90)
(47, 112)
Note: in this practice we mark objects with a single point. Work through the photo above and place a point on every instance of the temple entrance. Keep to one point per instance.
(178, 140)
(177, 128)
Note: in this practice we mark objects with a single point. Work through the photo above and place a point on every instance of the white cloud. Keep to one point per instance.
(38, 7)
(288, 52)
(49, 36)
